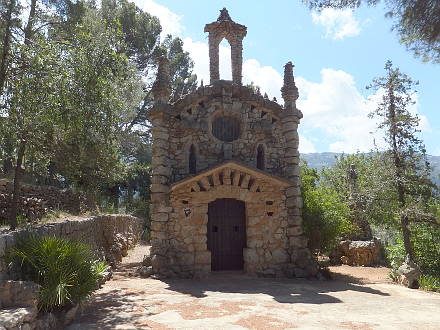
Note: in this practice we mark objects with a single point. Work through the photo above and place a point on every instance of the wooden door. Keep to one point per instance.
(226, 233)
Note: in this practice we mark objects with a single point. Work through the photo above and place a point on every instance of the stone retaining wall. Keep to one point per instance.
(110, 236)
(37, 201)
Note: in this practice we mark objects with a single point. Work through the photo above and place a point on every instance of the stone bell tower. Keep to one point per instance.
(225, 192)
(226, 28)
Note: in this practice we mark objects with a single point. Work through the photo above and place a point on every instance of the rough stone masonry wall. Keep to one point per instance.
(37, 201)
(179, 245)
(275, 244)
(188, 130)
(191, 121)
(109, 236)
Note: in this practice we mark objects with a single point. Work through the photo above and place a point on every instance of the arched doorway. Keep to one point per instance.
(226, 233)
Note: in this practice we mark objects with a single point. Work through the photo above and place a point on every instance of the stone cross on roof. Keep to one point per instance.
(224, 16)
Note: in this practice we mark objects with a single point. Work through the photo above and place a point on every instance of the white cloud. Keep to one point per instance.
(199, 52)
(333, 108)
(169, 21)
(338, 23)
(266, 77)
(305, 145)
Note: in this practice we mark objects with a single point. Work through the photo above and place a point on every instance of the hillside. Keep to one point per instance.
(321, 159)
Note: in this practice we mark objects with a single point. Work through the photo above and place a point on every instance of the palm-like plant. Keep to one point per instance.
(66, 271)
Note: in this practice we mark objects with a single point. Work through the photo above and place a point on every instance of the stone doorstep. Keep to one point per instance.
(15, 317)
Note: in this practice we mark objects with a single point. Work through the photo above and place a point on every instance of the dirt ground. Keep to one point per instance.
(358, 298)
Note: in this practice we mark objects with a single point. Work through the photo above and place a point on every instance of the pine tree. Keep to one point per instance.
(409, 170)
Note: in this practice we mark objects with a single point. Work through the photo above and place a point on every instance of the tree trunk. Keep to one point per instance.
(114, 192)
(404, 221)
(6, 47)
(22, 147)
(16, 192)
(30, 23)
(8, 149)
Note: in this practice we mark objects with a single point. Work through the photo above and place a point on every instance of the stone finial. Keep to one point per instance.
(225, 28)
(289, 91)
(162, 86)
(224, 15)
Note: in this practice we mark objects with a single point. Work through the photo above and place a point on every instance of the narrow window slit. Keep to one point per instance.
(260, 158)
(192, 160)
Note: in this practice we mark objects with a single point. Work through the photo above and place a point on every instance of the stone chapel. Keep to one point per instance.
(225, 192)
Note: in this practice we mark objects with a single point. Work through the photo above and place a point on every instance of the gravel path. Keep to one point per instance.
(230, 300)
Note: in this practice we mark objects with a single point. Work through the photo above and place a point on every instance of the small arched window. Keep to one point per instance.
(192, 160)
(260, 157)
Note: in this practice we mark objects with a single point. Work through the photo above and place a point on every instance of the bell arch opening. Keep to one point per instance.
(225, 61)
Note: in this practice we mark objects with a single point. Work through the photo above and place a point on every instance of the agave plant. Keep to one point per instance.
(66, 271)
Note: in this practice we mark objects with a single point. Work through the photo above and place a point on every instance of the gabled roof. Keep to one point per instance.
(234, 165)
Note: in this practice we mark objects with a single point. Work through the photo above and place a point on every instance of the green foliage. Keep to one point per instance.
(395, 254)
(53, 216)
(77, 97)
(325, 214)
(100, 96)
(374, 196)
(66, 271)
(31, 111)
(409, 172)
(430, 283)
(426, 241)
(426, 244)
(378, 200)
(140, 30)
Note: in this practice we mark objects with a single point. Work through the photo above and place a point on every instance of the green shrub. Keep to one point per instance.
(426, 243)
(325, 214)
(430, 283)
(66, 271)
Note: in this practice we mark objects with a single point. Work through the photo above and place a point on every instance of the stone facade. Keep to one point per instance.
(226, 141)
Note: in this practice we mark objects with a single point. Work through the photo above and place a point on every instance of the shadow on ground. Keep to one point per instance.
(114, 308)
(282, 290)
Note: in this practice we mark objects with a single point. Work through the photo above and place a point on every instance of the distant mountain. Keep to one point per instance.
(320, 159)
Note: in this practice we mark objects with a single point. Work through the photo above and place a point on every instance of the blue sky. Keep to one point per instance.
(336, 54)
